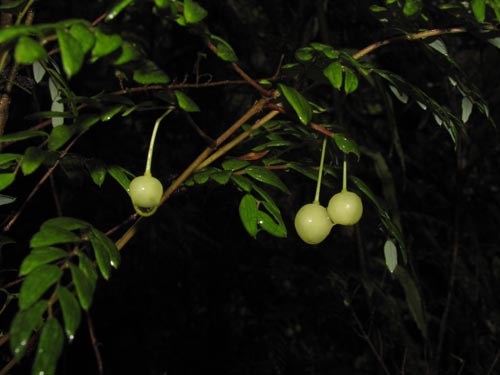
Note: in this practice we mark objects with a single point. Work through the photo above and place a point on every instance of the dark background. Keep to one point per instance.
(196, 294)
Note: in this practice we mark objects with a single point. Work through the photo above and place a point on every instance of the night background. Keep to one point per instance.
(195, 293)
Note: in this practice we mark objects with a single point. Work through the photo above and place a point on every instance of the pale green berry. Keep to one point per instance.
(312, 223)
(145, 191)
(345, 208)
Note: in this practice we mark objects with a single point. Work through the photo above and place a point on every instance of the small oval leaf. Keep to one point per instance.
(23, 325)
(185, 102)
(22, 135)
(248, 214)
(6, 179)
(37, 283)
(84, 286)
(70, 310)
(266, 176)
(49, 235)
(346, 144)
(267, 223)
(390, 255)
(28, 51)
(101, 243)
(300, 104)
(193, 12)
(49, 348)
(105, 44)
(334, 74)
(149, 73)
(72, 53)
(40, 256)
(234, 164)
(32, 159)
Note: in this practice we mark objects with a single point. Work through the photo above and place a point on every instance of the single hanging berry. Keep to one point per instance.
(345, 207)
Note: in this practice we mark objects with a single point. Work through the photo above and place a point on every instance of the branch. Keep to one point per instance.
(407, 37)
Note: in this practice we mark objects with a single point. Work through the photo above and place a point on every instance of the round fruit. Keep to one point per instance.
(345, 208)
(312, 223)
(145, 191)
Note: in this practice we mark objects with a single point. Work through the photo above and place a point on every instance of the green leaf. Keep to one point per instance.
(266, 176)
(38, 72)
(224, 49)
(149, 73)
(185, 102)
(59, 136)
(117, 8)
(412, 298)
(439, 46)
(66, 223)
(40, 256)
(350, 81)
(6, 179)
(193, 12)
(28, 51)
(101, 256)
(23, 325)
(97, 171)
(12, 4)
(345, 144)
(221, 177)
(234, 164)
(120, 176)
(83, 36)
(466, 109)
(479, 9)
(128, 53)
(300, 104)
(390, 255)
(248, 214)
(304, 54)
(49, 348)
(49, 235)
(202, 176)
(13, 32)
(70, 311)
(105, 44)
(334, 74)
(85, 122)
(87, 266)
(242, 182)
(6, 199)
(32, 159)
(84, 286)
(57, 112)
(267, 223)
(8, 157)
(72, 53)
(22, 135)
(109, 112)
(412, 7)
(105, 250)
(37, 283)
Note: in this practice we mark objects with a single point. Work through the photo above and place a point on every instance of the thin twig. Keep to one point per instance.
(369, 342)
(39, 184)
(242, 73)
(407, 37)
(95, 345)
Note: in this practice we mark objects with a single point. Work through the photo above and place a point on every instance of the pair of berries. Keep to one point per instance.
(314, 222)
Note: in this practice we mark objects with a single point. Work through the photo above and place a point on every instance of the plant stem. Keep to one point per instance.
(320, 172)
(344, 175)
(223, 150)
(149, 159)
